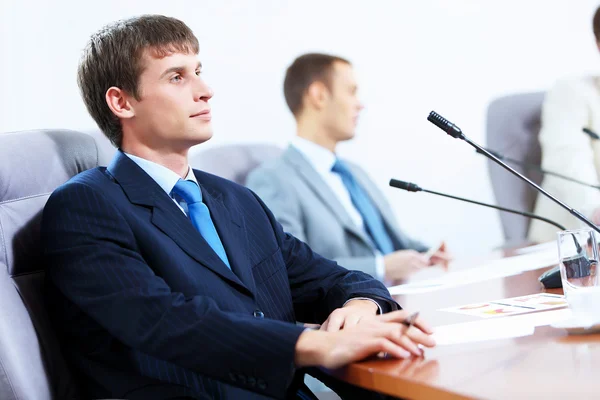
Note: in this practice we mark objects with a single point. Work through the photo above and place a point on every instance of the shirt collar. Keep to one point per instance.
(162, 175)
(320, 158)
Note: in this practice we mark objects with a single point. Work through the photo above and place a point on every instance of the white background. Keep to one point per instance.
(411, 57)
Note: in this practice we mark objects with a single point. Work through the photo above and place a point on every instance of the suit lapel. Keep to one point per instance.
(142, 190)
(318, 185)
(232, 232)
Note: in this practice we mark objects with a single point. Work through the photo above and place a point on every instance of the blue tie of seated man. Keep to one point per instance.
(200, 216)
(365, 207)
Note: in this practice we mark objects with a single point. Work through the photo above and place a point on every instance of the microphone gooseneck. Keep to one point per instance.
(452, 130)
(536, 168)
(413, 187)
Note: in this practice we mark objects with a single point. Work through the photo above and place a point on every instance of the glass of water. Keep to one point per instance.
(578, 257)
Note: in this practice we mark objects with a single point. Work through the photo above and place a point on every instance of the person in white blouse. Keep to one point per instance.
(329, 203)
(572, 104)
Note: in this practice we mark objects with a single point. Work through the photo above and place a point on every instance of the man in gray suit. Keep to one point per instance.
(332, 204)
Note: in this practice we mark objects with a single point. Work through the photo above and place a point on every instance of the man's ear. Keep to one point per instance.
(119, 103)
(317, 95)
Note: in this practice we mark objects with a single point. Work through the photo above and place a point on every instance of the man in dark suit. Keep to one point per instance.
(168, 282)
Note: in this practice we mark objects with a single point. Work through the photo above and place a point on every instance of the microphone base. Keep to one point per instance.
(551, 279)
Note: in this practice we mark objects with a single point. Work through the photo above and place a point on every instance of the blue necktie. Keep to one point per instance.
(365, 207)
(200, 216)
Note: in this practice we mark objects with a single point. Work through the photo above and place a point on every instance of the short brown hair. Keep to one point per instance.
(596, 24)
(306, 69)
(114, 57)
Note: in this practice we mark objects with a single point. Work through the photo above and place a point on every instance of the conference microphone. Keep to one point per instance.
(536, 168)
(551, 278)
(456, 132)
(591, 133)
(412, 187)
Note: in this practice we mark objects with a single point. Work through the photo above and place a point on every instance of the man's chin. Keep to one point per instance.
(202, 137)
(346, 136)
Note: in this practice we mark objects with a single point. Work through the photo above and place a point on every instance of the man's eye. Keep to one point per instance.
(176, 78)
(198, 72)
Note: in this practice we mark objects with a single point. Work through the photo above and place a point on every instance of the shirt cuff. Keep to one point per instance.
(379, 310)
(379, 266)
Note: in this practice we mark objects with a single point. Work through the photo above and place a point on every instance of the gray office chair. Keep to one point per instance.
(513, 126)
(234, 162)
(106, 150)
(32, 165)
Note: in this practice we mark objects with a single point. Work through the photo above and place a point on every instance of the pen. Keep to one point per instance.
(410, 321)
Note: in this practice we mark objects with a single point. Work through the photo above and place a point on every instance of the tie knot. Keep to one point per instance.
(339, 167)
(188, 191)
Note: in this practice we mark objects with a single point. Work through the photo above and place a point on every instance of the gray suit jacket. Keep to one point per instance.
(308, 209)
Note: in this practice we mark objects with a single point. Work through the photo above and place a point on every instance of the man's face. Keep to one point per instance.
(172, 110)
(342, 106)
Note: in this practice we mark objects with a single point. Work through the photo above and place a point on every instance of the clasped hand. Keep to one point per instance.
(355, 331)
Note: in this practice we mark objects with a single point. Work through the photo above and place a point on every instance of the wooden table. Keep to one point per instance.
(548, 364)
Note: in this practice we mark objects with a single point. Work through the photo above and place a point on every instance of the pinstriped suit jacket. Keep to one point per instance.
(146, 309)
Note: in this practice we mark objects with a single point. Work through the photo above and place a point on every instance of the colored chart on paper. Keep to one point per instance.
(511, 306)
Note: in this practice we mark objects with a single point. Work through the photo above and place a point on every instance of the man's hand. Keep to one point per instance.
(402, 263)
(381, 333)
(440, 256)
(349, 315)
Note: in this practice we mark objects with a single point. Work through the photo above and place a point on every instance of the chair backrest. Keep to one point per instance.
(513, 126)
(234, 162)
(106, 150)
(32, 165)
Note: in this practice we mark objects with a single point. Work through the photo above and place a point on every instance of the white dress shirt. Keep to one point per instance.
(322, 160)
(165, 178)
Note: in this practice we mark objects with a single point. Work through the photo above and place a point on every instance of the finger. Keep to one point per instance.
(417, 336)
(396, 333)
(394, 316)
(421, 260)
(336, 321)
(375, 345)
(444, 263)
(443, 256)
(409, 345)
(422, 325)
(420, 331)
(387, 346)
(351, 320)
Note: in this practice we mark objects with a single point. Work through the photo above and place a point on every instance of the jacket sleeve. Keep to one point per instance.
(319, 285)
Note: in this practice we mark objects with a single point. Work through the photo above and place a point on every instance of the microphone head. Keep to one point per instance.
(445, 125)
(411, 187)
(591, 133)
